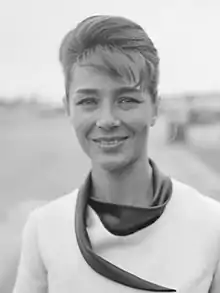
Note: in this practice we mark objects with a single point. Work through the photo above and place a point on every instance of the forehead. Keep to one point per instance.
(88, 77)
(109, 68)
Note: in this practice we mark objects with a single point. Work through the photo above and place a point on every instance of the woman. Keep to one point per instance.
(128, 227)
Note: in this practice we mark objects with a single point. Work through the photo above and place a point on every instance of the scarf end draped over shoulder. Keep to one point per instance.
(162, 188)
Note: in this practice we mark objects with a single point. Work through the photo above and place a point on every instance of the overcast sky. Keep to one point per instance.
(186, 33)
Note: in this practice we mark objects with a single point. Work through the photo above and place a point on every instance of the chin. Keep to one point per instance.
(112, 165)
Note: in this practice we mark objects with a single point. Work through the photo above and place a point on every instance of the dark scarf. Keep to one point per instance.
(124, 220)
(162, 187)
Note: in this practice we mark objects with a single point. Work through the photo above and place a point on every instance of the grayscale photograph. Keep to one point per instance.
(110, 146)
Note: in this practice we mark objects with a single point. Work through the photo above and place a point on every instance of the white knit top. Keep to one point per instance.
(181, 250)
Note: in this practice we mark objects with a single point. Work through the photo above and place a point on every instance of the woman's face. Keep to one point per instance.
(96, 98)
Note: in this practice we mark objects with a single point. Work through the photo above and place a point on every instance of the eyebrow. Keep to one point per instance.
(126, 89)
(118, 91)
(87, 91)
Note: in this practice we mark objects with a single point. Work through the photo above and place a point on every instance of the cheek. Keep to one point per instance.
(138, 122)
(81, 123)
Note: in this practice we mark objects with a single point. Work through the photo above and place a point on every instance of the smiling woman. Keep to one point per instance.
(129, 227)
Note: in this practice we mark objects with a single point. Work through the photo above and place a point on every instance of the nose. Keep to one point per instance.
(107, 120)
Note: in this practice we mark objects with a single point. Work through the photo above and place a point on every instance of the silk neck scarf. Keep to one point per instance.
(123, 220)
(97, 263)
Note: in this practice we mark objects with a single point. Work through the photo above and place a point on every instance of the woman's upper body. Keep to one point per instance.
(111, 76)
(181, 250)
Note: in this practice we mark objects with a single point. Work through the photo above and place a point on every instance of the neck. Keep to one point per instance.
(131, 186)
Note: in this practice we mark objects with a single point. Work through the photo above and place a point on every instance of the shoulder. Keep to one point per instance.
(56, 210)
(189, 195)
(194, 204)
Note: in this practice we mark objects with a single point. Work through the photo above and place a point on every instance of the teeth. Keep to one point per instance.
(109, 143)
(112, 142)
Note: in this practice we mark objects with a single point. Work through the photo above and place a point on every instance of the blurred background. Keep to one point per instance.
(40, 158)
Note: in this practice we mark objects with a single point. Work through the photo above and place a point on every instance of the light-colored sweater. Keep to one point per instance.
(181, 250)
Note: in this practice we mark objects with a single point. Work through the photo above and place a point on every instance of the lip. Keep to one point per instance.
(110, 145)
(109, 139)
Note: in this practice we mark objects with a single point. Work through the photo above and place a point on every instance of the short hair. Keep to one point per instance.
(125, 50)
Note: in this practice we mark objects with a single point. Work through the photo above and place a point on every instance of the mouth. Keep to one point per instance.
(110, 143)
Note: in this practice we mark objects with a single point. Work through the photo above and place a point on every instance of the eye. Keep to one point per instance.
(88, 102)
(129, 100)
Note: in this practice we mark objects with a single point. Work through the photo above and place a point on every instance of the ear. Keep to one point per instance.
(156, 106)
(66, 105)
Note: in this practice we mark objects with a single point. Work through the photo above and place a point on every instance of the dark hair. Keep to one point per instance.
(125, 49)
